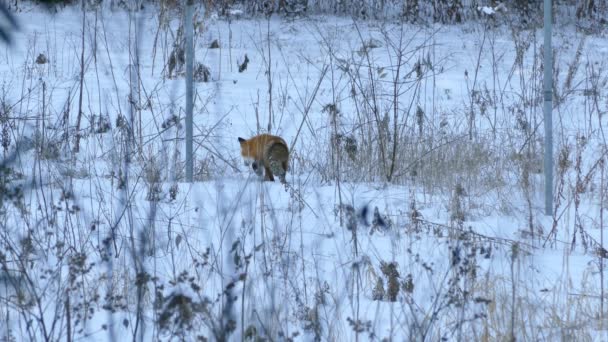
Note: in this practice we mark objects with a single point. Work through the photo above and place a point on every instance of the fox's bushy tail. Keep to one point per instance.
(277, 157)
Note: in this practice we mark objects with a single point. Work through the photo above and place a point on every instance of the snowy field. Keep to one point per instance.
(414, 209)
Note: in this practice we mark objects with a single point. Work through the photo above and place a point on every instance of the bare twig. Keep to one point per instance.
(79, 117)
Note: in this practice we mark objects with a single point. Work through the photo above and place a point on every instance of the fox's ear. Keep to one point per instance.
(241, 140)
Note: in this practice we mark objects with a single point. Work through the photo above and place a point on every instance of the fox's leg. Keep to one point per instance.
(268, 173)
(277, 169)
(282, 172)
(256, 167)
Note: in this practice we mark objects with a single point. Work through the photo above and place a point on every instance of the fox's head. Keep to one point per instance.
(245, 151)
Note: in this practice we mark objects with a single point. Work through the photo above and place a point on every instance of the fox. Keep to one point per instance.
(269, 151)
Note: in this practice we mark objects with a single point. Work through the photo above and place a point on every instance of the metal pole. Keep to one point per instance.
(548, 107)
(189, 84)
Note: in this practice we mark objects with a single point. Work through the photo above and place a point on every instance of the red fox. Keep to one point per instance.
(267, 150)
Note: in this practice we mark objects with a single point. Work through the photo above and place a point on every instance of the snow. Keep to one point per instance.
(486, 10)
(301, 260)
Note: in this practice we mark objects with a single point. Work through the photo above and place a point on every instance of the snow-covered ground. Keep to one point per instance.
(110, 243)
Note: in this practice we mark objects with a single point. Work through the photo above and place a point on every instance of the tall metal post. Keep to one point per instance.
(548, 107)
(189, 84)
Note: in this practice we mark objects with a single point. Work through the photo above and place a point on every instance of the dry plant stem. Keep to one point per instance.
(79, 117)
(578, 189)
(303, 264)
(265, 241)
(136, 256)
(472, 90)
(161, 14)
(116, 91)
(396, 85)
(585, 183)
(95, 47)
(219, 67)
(514, 254)
(308, 106)
(256, 107)
(602, 206)
(145, 235)
(495, 82)
(42, 145)
(374, 101)
(243, 302)
(334, 121)
(135, 79)
(68, 318)
(287, 63)
(602, 191)
(269, 73)
(357, 269)
(568, 88)
(602, 165)
(527, 189)
(230, 42)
